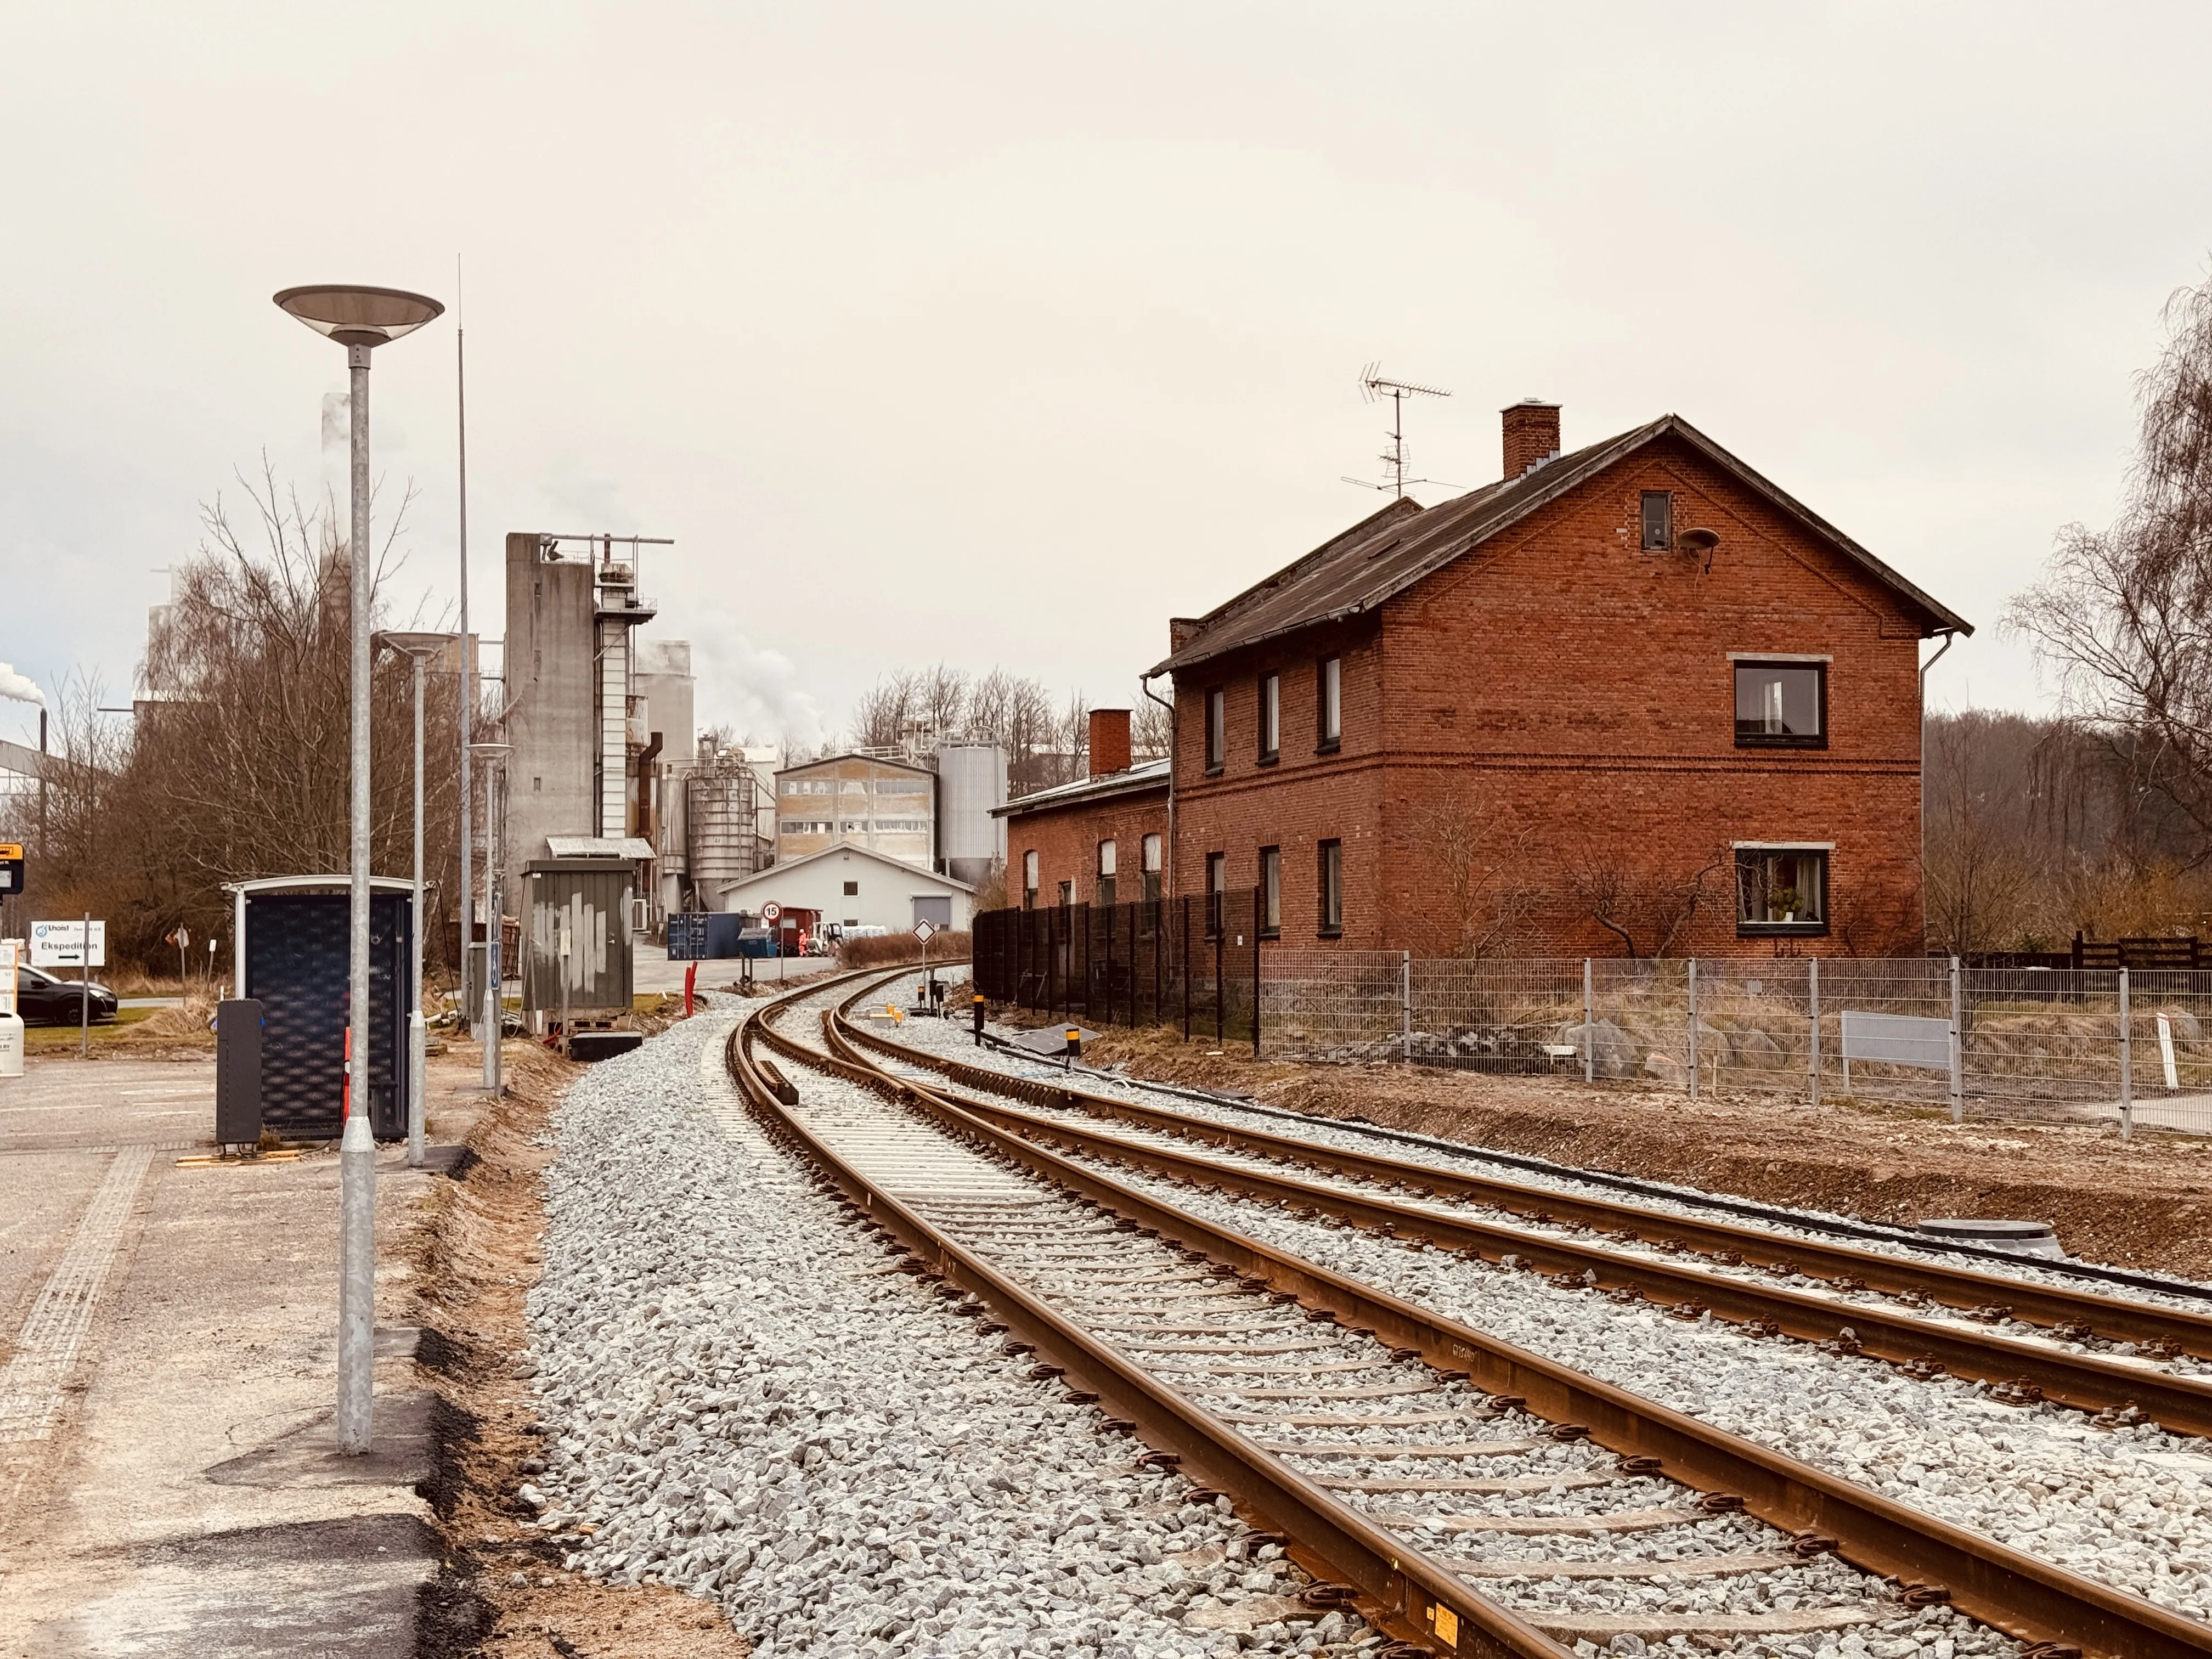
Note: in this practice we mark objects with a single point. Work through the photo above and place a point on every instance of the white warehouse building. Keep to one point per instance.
(857, 888)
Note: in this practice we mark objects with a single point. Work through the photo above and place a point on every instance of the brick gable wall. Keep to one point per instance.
(1551, 719)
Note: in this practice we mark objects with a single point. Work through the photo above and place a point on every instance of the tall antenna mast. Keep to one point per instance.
(1373, 387)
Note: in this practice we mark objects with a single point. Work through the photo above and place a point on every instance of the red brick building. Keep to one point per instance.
(1631, 699)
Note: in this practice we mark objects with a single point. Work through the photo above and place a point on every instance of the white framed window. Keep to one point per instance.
(1781, 888)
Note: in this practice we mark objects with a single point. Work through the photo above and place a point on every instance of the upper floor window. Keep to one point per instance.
(1781, 705)
(1271, 717)
(1029, 879)
(1330, 700)
(1106, 862)
(1216, 728)
(1152, 854)
(1658, 519)
(1782, 890)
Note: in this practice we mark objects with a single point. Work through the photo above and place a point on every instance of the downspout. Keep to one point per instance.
(1145, 685)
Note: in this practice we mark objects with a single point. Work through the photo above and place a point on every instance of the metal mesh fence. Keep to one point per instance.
(2084, 1044)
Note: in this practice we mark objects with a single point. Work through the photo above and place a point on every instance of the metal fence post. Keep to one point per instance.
(1405, 1002)
(1220, 937)
(2127, 1070)
(1958, 1047)
(1812, 969)
(1184, 905)
(1693, 1028)
(1589, 1022)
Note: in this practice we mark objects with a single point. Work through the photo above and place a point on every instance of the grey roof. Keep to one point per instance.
(1149, 774)
(599, 847)
(1388, 552)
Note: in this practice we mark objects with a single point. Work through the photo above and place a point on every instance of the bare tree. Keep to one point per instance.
(2124, 614)
(1479, 859)
(237, 764)
(1151, 729)
(1633, 903)
(1980, 855)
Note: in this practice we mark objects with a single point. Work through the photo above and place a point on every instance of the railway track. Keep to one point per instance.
(1466, 1495)
(1926, 1316)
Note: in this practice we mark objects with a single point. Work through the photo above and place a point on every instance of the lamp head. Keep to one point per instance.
(414, 644)
(359, 316)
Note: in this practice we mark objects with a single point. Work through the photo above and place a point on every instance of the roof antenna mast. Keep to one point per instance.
(1374, 387)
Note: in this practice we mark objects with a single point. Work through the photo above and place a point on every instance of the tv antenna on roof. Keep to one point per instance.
(1396, 460)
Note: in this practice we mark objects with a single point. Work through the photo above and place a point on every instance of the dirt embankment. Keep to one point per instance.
(2144, 1203)
(503, 1593)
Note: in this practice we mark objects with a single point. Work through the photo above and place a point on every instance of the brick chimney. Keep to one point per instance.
(1532, 434)
(1182, 630)
(1110, 741)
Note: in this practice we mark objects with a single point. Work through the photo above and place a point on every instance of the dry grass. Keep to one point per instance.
(944, 949)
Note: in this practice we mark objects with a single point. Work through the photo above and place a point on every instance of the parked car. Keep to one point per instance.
(42, 999)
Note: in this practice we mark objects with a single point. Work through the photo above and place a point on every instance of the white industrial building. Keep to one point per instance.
(857, 888)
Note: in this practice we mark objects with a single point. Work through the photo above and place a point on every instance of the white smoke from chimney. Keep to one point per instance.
(18, 688)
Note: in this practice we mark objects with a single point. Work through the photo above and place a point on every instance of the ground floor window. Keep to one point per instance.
(1217, 890)
(1781, 889)
(1331, 887)
(1271, 892)
(1066, 894)
(1029, 879)
(1152, 845)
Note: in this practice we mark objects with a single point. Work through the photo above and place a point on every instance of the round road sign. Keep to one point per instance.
(770, 911)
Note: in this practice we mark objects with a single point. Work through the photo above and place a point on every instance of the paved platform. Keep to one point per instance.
(169, 1482)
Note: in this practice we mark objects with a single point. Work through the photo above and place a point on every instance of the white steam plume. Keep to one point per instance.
(18, 687)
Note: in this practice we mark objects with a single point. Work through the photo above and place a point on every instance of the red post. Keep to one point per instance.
(691, 984)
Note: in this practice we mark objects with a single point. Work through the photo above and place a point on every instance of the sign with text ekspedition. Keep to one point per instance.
(65, 944)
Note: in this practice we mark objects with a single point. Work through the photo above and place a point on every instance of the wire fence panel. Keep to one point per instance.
(2017, 1042)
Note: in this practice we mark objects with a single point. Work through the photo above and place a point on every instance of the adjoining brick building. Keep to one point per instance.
(1634, 699)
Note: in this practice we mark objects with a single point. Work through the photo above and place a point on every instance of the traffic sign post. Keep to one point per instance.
(922, 930)
(79, 944)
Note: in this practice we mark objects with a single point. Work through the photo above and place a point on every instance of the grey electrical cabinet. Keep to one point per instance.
(591, 898)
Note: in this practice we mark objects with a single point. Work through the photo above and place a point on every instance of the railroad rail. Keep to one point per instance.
(2027, 1369)
(1053, 1251)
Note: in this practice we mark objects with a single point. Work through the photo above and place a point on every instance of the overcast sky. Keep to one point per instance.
(1000, 333)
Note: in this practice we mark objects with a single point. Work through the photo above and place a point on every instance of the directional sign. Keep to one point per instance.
(770, 911)
(62, 945)
(923, 929)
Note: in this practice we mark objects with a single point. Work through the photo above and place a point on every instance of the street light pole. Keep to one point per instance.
(359, 319)
(420, 648)
(495, 775)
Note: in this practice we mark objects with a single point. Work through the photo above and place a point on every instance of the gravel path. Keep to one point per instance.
(741, 1399)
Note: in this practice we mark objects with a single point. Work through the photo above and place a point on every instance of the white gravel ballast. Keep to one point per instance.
(741, 1401)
